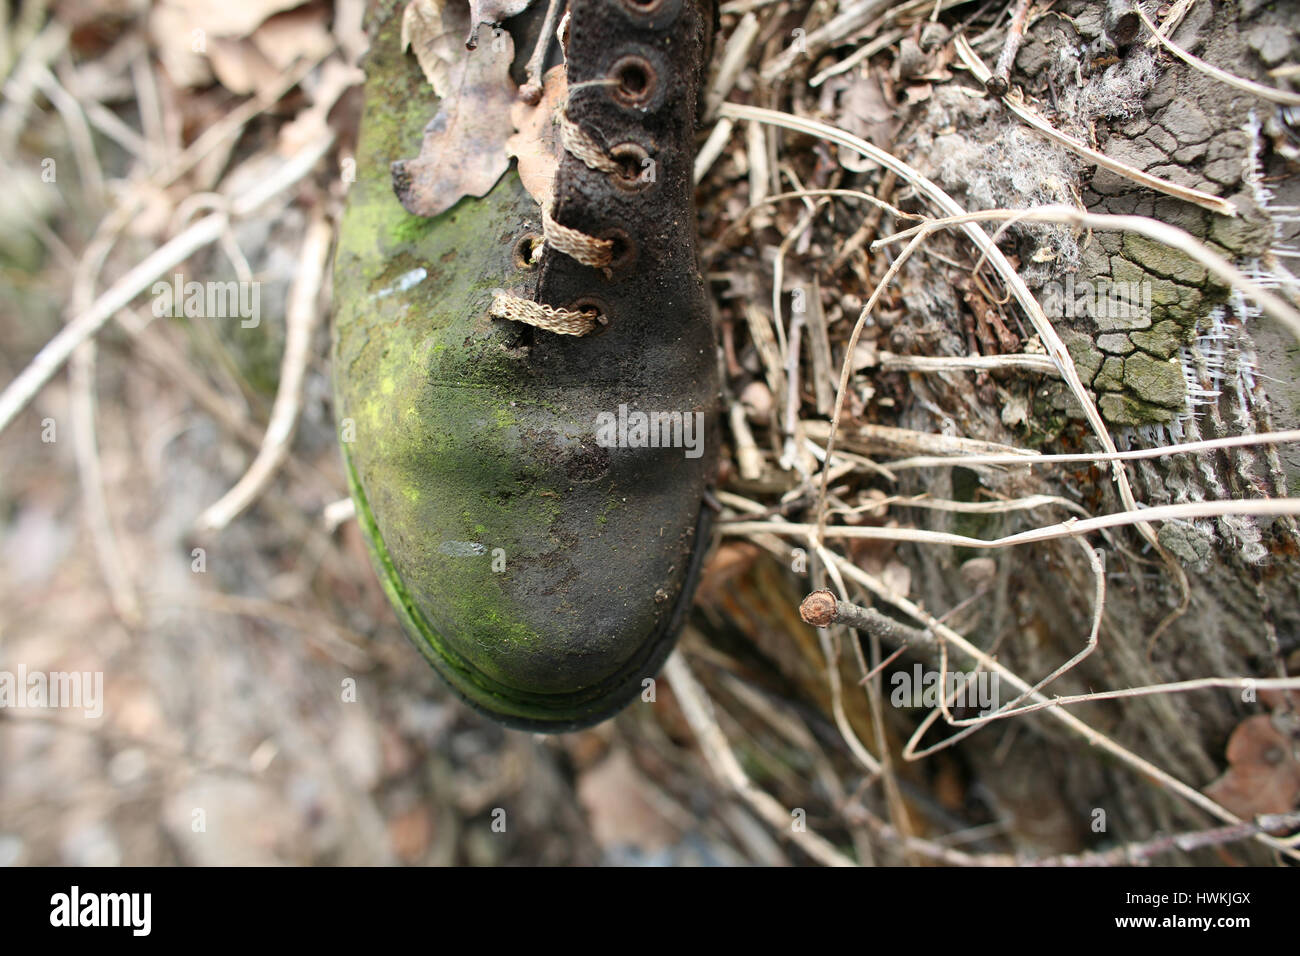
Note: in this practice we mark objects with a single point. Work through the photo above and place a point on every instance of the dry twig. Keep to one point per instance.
(301, 318)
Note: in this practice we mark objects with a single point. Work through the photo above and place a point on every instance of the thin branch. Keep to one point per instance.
(1171, 22)
(1160, 451)
(735, 57)
(1071, 528)
(698, 710)
(1161, 232)
(1015, 282)
(1270, 93)
(999, 80)
(108, 552)
(55, 353)
(302, 316)
(1130, 854)
(708, 154)
(1135, 853)
(949, 363)
(1015, 105)
(50, 358)
(1149, 690)
(1143, 767)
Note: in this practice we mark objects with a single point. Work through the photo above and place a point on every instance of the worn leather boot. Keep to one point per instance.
(526, 397)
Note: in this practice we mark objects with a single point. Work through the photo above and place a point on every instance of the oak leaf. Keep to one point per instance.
(491, 12)
(463, 152)
(1263, 773)
(433, 30)
(537, 143)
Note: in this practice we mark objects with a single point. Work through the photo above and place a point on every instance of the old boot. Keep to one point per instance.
(526, 394)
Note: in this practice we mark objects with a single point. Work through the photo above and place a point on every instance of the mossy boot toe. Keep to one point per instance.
(526, 390)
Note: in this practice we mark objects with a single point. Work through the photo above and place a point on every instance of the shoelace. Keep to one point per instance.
(576, 244)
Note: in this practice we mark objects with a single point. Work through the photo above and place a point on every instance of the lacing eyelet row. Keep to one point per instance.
(589, 250)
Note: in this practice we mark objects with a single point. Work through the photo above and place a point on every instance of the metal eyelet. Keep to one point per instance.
(636, 80)
(636, 165)
(624, 250)
(527, 250)
(651, 14)
(600, 307)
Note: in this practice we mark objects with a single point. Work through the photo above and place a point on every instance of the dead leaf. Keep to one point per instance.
(865, 355)
(239, 66)
(917, 93)
(865, 111)
(334, 79)
(410, 833)
(898, 577)
(299, 34)
(491, 12)
(618, 802)
(434, 31)
(728, 561)
(196, 39)
(536, 144)
(463, 153)
(1263, 773)
(185, 65)
(221, 18)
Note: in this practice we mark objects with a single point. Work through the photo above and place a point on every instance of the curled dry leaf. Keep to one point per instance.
(223, 18)
(433, 30)
(247, 45)
(463, 153)
(299, 34)
(731, 560)
(240, 67)
(536, 144)
(492, 12)
(334, 79)
(620, 805)
(864, 109)
(1263, 772)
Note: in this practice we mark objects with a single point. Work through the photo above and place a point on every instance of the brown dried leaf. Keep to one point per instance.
(240, 67)
(492, 12)
(729, 560)
(915, 93)
(463, 153)
(298, 34)
(434, 30)
(537, 143)
(620, 805)
(897, 576)
(334, 79)
(865, 111)
(1263, 773)
(410, 832)
(198, 38)
(185, 66)
(223, 18)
